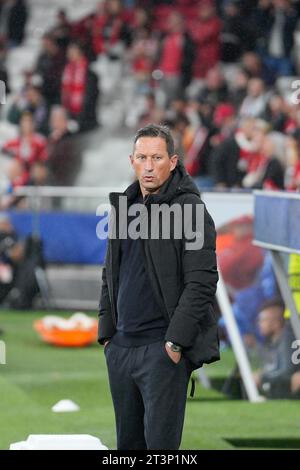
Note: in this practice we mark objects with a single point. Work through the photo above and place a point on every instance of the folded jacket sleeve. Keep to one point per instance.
(200, 277)
(106, 328)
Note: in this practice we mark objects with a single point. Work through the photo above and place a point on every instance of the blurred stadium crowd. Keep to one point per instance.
(218, 73)
(222, 75)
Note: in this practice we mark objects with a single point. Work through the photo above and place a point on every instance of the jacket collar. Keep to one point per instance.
(178, 182)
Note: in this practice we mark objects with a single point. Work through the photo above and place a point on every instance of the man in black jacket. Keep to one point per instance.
(156, 318)
(13, 18)
(275, 24)
(278, 371)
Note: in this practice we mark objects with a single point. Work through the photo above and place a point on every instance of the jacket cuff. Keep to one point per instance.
(180, 334)
(106, 329)
(102, 340)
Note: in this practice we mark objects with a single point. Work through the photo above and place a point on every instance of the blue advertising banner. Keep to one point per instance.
(68, 238)
(277, 220)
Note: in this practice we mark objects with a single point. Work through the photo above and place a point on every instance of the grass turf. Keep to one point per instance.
(37, 375)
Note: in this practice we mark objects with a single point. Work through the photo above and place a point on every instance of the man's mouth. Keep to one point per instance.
(148, 178)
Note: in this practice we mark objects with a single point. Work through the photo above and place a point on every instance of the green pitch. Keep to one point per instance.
(37, 375)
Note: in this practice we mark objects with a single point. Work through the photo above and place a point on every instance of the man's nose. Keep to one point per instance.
(149, 164)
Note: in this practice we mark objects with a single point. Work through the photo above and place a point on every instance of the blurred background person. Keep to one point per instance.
(33, 102)
(79, 92)
(176, 59)
(11, 255)
(274, 379)
(49, 67)
(64, 149)
(29, 147)
(13, 18)
(206, 30)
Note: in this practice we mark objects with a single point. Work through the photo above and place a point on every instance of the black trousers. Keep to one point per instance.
(149, 392)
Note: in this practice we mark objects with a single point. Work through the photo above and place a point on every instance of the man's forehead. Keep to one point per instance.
(265, 315)
(270, 313)
(150, 144)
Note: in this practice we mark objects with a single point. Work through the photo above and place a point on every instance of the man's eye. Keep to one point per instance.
(157, 157)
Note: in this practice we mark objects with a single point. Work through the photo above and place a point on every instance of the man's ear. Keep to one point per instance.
(174, 160)
(131, 158)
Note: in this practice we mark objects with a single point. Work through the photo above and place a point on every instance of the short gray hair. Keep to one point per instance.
(157, 130)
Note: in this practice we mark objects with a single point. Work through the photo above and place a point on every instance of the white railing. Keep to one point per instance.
(64, 191)
(223, 206)
(71, 198)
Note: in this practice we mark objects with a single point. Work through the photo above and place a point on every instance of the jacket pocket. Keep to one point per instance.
(205, 349)
(168, 357)
(107, 347)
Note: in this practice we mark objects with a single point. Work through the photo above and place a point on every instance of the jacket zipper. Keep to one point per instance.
(157, 288)
(147, 253)
(111, 284)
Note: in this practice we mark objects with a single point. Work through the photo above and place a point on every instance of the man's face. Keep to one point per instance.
(73, 53)
(27, 125)
(206, 11)
(281, 4)
(175, 23)
(255, 87)
(151, 163)
(269, 321)
(265, 323)
(58, 121)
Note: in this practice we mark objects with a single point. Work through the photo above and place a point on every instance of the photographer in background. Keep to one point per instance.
(11, 255)
(18, 267)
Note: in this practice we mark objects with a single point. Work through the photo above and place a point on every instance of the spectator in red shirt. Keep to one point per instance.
(28, 148)
(295, 181)
(143, 49)
(206, 31)
(230, 159)
(80, 89)
(74, 80)
(265, 170)
(177, 58)
(110, 28)
(142, 54)
(292, 173)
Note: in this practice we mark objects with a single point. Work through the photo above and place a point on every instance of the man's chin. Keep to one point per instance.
(150, 187)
